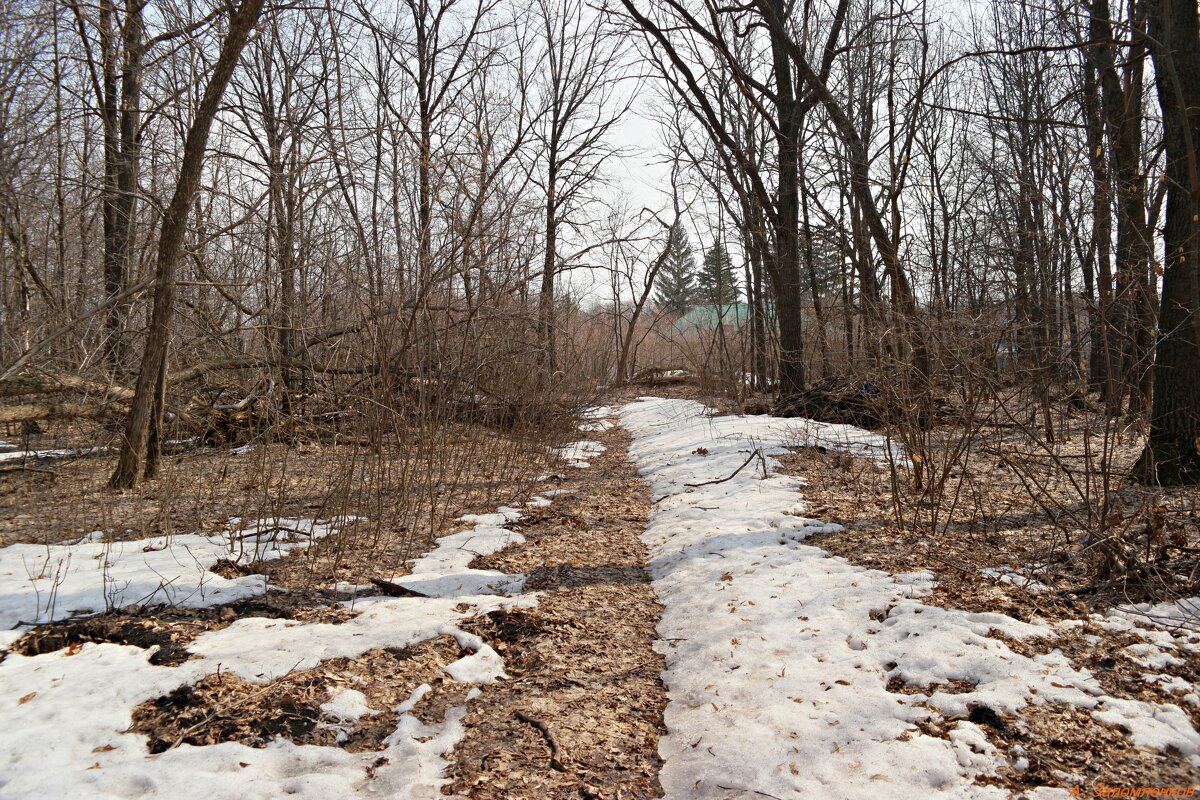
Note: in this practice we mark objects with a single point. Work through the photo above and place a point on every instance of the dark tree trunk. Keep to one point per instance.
(814, 288)
(788, 290)
(1121, 101)
(151, 381)
(1172, 455)
(1097, 272)
(546, 338)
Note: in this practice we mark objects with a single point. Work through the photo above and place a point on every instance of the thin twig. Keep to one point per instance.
(739, 789)
(755, 452)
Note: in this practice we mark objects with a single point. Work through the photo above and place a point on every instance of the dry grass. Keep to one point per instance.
(409, 490)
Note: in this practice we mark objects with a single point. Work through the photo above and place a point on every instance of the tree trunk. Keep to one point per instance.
(546, 338)
(1122, 106)
(788, 291)
(1098, 283)
(1172, 454)
(813, 287)
(170, 244)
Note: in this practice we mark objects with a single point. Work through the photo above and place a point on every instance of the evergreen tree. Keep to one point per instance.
(717, 283)
(676, 284)
(827, 261)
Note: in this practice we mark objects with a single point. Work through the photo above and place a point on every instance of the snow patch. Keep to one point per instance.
(66, 711)
(1016, 579)
(793, 649)
(41, 583)
(348, 704)
(577, 453)
(51, 455)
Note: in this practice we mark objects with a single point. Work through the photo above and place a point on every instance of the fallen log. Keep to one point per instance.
(29, 412)
(864, 403)
(846, 402)
(661, 376)
(48, 383)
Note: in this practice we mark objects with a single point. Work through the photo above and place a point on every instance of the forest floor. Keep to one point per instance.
(746, 618)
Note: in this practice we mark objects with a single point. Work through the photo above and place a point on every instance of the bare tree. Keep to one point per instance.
(578, 95)
(147, 409)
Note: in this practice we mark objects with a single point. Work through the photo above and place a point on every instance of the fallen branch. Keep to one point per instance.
(394, 589)
(22, 468)
(544, 730)
(27, 412)
(739, 789)
(660, 376)
(756, 452)
(48, 382)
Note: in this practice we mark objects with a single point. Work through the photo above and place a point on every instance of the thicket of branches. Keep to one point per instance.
(325, 209)
(922, 194)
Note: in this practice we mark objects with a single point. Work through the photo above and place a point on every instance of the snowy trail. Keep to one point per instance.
(778, 656)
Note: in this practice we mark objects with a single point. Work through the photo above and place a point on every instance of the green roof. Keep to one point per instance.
(707, 317)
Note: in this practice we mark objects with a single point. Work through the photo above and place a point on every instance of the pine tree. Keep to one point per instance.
(676, 284)
(717, 283)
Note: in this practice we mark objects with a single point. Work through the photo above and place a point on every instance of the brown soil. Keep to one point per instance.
(224, 708)
(582, 712)
(172, 629)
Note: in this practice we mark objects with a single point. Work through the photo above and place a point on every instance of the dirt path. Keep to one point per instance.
(582, 712)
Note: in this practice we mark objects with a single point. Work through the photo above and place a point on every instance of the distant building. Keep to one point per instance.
(704, 319)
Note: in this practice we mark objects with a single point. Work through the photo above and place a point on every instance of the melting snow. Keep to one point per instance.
(49, 455)
(1016, 579)
(348, 704)
(66, 711)
(576, 453)
(793, 649)
(40, 583)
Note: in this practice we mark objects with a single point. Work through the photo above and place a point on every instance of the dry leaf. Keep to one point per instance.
(26, 698)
